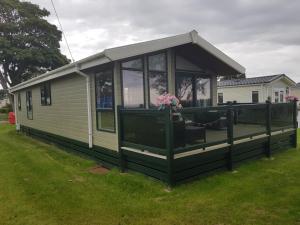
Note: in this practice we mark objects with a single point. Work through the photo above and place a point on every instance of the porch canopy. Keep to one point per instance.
(195, 48)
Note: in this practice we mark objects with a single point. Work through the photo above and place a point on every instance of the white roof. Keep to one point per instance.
(113, 54)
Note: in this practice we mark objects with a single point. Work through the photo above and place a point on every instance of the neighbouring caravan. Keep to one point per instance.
(274, 88)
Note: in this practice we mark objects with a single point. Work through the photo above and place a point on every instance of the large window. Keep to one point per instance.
(46, 94)
(193, 89)
(133, 83)
(220, 98)
(255, 97)
(105, 100)
(29, 105)
(157, 73)
(19, 101)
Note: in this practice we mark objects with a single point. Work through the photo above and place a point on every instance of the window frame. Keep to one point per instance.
(105, 109)
(47, 93)
(255, 92)
(156, 71)
(276, 96)
(141, 57)
(27, 107)
(220, 94)
(195, 75)
(19, 101)
(281, 96)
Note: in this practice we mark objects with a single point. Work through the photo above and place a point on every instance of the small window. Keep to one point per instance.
(133, 64)
(133, 84)
(29, 105)
(46, 94)
(105, 100)
(220, 98)
(255, 97)
(157, 73)
(157, 62)
(19, 101)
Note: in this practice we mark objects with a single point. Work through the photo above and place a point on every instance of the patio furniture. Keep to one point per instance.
(194, 134)
(187, 132)
(212, 120)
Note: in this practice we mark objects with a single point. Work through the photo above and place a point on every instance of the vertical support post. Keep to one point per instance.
(169, 146)
(230, 136)
(295, 122)
(268, 128)
(120, 135)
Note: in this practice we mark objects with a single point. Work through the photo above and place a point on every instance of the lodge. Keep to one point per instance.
(105, 106)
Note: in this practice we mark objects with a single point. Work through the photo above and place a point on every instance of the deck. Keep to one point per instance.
(153, 143)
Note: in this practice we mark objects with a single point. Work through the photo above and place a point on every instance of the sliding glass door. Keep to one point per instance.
(193, 89)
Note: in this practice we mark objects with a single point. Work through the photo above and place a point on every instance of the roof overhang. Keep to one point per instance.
(118, 53)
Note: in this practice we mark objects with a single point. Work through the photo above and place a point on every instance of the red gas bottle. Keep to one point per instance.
(11, 118)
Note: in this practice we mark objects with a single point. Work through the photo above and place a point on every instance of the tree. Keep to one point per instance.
(29, 45)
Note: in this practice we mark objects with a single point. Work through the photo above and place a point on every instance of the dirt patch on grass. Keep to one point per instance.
(98, 170)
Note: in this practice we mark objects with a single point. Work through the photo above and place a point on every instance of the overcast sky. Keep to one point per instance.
(263, 36)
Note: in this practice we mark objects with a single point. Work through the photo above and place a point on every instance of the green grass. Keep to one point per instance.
(40, 184)
(3, 117)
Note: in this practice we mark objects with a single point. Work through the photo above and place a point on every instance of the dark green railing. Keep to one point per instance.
(162, 133)
(149, 129)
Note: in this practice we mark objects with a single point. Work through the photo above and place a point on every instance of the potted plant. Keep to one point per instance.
(291, 98)
(168, 101)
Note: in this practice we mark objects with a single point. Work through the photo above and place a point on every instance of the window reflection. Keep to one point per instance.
(184, 89)
(104, 89)
(133, 64)
(193, 89)
(133, 88)
(203, 92)
(105, 100)
(157, 73)
(157, 85)
(157, 62)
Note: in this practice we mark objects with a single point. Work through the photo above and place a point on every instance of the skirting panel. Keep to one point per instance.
(180, 169)
(151, 166)
(108, 158)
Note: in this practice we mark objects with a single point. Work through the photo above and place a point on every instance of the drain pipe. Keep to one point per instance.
(89, 104)
(15, 111)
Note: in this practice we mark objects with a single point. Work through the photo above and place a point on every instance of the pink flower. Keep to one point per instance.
(167, 100)
(291, 98)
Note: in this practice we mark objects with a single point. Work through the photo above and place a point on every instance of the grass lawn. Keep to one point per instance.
(40, 184)
(3, 117)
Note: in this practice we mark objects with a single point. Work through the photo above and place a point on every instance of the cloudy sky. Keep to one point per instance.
(263, 36)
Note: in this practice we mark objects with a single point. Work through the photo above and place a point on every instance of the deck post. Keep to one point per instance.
(120, 150)
(268, 128)
(169, 146)
(230, 136)
(295, 122)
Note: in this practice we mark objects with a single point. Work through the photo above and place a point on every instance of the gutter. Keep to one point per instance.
(67, 69)
(89, 104)
(15, 111)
